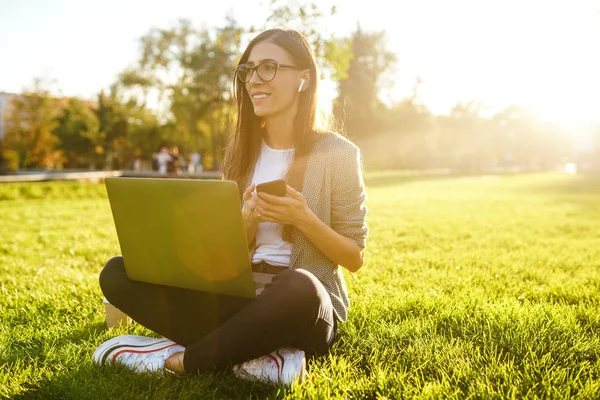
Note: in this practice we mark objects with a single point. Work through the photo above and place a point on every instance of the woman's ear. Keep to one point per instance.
(304, 81)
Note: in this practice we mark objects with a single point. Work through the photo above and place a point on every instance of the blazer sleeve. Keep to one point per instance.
(348, 208)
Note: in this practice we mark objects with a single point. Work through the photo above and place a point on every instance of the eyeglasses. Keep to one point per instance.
(266, 71)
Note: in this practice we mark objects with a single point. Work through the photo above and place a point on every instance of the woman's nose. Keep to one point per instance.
(255, 79)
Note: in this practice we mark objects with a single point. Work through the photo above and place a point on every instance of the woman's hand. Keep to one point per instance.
(291, 209)
(249, 213)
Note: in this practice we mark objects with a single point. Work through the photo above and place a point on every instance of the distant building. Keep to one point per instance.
(5, 99)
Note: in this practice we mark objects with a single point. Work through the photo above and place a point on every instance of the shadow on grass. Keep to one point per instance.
(87, 333)
(35, 348)
(89, 381)
(77, 377)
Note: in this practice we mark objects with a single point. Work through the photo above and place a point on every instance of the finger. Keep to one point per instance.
(274, 215)
(248, 192)
(295, 194)
(272, 199)
(261, 217)
(261, 210)
(271, 207)
(292, 192)
(260, 202)
(253, 200)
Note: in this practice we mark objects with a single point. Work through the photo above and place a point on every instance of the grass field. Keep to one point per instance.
(473, 287)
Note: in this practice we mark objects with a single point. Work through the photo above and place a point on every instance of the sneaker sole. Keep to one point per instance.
(102, 353)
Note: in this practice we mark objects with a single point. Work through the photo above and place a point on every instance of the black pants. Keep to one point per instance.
(219, 330)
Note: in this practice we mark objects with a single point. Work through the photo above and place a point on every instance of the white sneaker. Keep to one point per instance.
(139, 353)
(283, 366)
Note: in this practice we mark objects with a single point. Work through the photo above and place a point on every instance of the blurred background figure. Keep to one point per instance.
(137, 160)
(195, 166)
(176, 162)
(163, 159)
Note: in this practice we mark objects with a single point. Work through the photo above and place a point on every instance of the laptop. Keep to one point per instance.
(185, 233)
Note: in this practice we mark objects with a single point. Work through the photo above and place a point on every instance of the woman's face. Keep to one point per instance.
(278, 95)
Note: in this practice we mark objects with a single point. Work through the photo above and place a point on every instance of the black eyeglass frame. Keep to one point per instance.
(255, 69)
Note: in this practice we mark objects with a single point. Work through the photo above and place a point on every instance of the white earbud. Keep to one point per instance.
(301, 85)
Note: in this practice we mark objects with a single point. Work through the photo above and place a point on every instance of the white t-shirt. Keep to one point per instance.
(272, 164)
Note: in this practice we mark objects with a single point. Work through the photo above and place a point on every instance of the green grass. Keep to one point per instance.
(473, 287)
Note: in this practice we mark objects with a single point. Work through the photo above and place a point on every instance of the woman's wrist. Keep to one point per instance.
(306, 221)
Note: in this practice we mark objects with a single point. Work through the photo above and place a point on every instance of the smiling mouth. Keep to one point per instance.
(260, 96)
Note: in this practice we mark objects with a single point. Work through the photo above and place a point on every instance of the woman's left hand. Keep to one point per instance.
(291, 209)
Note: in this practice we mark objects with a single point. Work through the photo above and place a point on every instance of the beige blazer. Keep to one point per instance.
(334, 190)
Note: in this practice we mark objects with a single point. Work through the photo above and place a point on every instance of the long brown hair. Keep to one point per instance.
(244, 147)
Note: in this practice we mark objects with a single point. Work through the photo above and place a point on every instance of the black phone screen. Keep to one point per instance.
(276, 188)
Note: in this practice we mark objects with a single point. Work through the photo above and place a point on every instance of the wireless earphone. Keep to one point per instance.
(301, 85)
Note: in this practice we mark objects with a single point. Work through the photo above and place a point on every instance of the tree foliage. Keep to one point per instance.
(78, 132)
(127, 128)
(189, 71)
(30, 124)
(333, 53)
(358, 105)
(192, 69)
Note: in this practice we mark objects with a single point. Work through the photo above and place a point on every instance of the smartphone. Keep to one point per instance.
(276, 188)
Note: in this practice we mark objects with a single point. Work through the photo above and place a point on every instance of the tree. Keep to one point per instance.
(408, 138)
(358, 105)
(29, 125)
(127, 129)
(112, 126)
(522, 140)
(193, 71)
(333, 54)
(78, 132)
(464, 138)
(3, 161)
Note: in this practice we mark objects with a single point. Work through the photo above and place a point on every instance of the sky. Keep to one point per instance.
(543, 54)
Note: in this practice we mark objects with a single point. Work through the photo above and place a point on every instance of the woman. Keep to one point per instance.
(297, 242)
